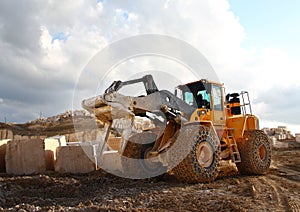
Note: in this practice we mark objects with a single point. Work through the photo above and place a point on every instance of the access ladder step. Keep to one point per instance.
(236, 158)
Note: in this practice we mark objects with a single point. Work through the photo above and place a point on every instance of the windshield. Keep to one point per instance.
(194, 94)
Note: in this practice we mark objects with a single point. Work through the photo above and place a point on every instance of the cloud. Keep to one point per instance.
(47, 44)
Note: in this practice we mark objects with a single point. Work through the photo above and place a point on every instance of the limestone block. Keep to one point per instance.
(25, 137)
(278, 131)
(3, 144)
(110, 161)
(67, 136)
(17, 137)
(94, 134)
(6, 134)
(3, 133)
(279, 144)
(114, 143)
(297, 135)
(10, 134)
(71, 137)
(51, 145)
(1, 136)
(79, 136)
(87, 136)
(25, 157)
(75, 137)
(43, 137)
(74, 159)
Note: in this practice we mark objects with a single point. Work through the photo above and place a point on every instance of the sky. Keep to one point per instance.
(45, 46)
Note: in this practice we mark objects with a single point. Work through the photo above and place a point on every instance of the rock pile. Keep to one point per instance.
(279, 133)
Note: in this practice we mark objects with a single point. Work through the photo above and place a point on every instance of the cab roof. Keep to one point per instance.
(200, 84)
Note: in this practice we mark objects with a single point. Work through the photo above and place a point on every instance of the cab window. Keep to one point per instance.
(189, 98)
(217, 95)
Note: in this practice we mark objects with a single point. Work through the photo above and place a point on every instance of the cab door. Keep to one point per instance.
(217, 96)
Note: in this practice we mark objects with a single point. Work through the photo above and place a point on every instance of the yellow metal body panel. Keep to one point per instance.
(201, 114)
(240, 123)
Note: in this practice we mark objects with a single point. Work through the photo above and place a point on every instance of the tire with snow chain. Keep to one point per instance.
(202, 149)
(133, 160)
(149, 167)
(129, 160)
(255, 151)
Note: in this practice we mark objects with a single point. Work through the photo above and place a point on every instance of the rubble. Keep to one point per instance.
(281, 137)
(279, 190)
(279, 133)
(97, 190)
(69, 114)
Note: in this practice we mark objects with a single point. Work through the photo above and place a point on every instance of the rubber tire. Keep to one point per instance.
(189, 170)
(133, 166)
(157, 168)
(130, 165)
(249, 148)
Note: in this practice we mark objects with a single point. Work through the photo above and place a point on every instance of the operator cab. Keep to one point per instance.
(195, 94)
(207, 98)
(199, 94)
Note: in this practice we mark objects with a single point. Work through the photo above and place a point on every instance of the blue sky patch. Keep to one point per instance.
(59, 36)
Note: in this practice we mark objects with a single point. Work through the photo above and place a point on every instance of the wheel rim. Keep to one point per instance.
(205, 154)
(262, 152)
(147, 163)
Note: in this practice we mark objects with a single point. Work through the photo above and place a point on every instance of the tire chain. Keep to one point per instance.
(249, 150)
(188, 169)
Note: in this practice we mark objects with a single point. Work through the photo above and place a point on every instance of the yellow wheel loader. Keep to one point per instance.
(191, 131)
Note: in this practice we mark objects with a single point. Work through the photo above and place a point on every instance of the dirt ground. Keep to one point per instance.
(279, 190)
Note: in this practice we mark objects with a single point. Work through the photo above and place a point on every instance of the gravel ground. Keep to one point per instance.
(279, 190)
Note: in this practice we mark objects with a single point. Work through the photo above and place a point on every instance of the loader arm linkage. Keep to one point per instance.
(148, 81)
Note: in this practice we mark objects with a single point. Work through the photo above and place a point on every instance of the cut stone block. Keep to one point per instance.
(17, 137)
(3, 144)
(10, 134)
(6, 134)
(25, 157)
(75, 137)
(74, 159)
(51, 145)
(25, 137)
(279, 144)
(79, 136)
(71, 137)
(297, 135)
(114, 143)
(94, 134)
(110, 161)
(87, 136)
